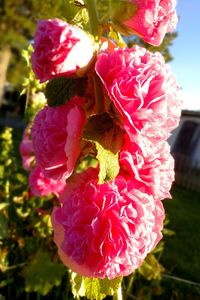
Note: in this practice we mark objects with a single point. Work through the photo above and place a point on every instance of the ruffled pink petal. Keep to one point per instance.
(143, 90)
(56, 135)
(42, 186)
(57, 47)
(153, 19)
(105, 230)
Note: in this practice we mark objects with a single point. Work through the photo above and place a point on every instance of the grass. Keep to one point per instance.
(181, 257)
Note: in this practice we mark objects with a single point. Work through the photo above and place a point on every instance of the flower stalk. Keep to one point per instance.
(118, 294)
(93, 18)
(95, 31)
(134, 146)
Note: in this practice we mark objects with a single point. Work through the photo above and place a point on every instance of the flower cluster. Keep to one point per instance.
(106, 230)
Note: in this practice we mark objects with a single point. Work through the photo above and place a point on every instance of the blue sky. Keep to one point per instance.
(186, 52)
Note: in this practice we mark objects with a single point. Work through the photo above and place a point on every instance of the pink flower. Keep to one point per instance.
(105, 230)
(143, 90)
(26, 151)
(153, 19)
(150, 166)
(59, 49)
(41, 186)
(56, 135)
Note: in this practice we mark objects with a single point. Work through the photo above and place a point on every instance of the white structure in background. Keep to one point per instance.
(185, 139)
(185, 147)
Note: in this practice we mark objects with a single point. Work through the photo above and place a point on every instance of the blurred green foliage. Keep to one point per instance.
(28, 256)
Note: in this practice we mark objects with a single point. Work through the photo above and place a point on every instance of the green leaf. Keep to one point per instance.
(3, 205)
(60, 90)
(116, 12)
(116, 36)
(41, 275)
(110, 287)
(21, 178)
(108, 138)
(102, 129)
(81, 18)
(43, 226)
(5, 282)
(77, 284)
(4, 230)
(109, 164)
(151, 268)
(121, 10)
(2, 170)
(159, 248)
(168, 232)
(94, 288)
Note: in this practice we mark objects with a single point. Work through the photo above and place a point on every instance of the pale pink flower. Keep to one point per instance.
(26, 151)
(56, 135)
(143, 90)
(59, 49)
(150, 166)
(42, 186)
(152, 19)
(105, 230)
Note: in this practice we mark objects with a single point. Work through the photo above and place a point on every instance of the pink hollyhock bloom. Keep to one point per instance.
(150, 166)
(152, 19)
(42, 186)
(56, 135)
(26, 151)
(143, 90)
(105, 230)
(59, 49)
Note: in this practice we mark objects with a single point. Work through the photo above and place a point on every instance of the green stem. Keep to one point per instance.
(130, 283)
(118, 294)
(27, 97)
(38, 296)
(95, 31)
(93, 18)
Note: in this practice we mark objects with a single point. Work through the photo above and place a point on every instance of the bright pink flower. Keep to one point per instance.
(26, 151)
(150, 166)
(143, 90)
(153, 19)
(56, 135)
(105, 230)
(42, 186)
(59, 49)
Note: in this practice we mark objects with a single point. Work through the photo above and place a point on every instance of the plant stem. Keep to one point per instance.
(38, 296)
(118, 294)
(130, 283)
(95, 31)
(93, 18)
